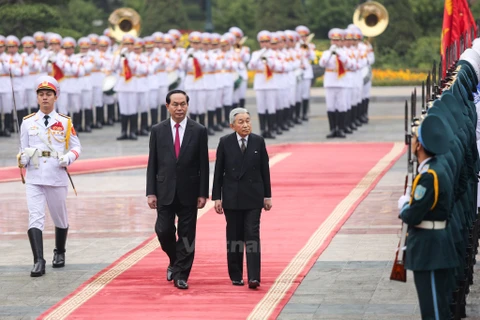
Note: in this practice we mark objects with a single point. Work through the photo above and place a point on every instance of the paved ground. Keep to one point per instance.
(109, 217)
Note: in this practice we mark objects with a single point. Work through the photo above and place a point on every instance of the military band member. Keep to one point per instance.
(124, 64)
(293, 77)
(141, 84)
(173, 64)
(165, 59)
(335, 61)
(264, 84)
(105, 70)
(177, 35)
(4, 89)
(218, 57)
(430, 251)
(87, 59)
(96, 78)
(210, 83)
(49, 144)
(244, 58)
(229, 68)
(33, 61)
(308, 55)
(18, 67)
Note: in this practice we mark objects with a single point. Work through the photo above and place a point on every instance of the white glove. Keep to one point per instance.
(403, 199)
(333, 48)
(123, 51)
(64, 161)
(23, 160)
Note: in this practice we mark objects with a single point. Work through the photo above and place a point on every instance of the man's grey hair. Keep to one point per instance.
(236, 111)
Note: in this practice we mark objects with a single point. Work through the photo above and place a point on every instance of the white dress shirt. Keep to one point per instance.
(239, 139)
(181, 129)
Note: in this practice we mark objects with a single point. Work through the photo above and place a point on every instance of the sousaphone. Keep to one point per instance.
(124, 21)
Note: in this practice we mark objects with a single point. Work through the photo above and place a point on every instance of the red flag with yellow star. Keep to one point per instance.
(57, 73)
(127, 72)
(197, 69)
(340, 68)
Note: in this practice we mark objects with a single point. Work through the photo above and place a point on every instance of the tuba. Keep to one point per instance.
(123, 21)
(371, 17)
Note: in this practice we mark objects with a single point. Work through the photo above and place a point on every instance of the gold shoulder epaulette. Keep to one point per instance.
(29, 116)
(65, 116)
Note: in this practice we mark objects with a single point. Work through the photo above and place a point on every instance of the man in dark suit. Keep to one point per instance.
(241, 188)
(177, 183)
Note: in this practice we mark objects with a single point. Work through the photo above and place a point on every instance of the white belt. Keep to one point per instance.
(432, 225)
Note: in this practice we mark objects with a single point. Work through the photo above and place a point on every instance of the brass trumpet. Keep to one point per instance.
(238, 46)
(305, 45)
(123, 21)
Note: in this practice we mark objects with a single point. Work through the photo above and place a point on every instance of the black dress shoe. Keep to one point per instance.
(253, 284)
(181, 284)
(237, 282)
(169, 273)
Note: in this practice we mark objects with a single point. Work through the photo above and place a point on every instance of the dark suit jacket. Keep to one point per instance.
(241, 181)
(187, 176)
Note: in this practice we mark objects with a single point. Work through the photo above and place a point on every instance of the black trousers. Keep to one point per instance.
(243, 235)
(181, 249)
(432, 290)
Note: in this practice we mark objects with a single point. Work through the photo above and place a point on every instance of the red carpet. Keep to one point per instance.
(315, 189)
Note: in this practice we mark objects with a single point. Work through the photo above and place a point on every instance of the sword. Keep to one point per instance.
(15, 118)
(71, 181)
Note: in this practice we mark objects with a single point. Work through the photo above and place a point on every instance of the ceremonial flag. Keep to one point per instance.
(268, 72)
(197, 69)
(57, 72)
(340, 68)
(127, 72)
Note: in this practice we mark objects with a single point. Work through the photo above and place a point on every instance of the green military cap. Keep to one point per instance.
(434, 134)
(439, 108)
(466, 84)
(471, 59)
(467, 68)
(455, 107)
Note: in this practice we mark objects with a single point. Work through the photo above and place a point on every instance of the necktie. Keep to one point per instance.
(46, 119)
(243, 147)
(177, 140)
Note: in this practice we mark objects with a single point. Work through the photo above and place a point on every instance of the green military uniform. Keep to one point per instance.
(430, 251)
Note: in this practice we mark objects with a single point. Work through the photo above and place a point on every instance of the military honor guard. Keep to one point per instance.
(243, 53)
(49, 144)
(308, 55)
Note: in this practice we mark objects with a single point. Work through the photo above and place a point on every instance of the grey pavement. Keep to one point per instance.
(350, 280)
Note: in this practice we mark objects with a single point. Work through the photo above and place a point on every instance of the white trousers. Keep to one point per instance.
(153, 97)
(242, 90)
(127, 103)
(7, 101)
(266, 101)
(197, 102)
(305, 88)
(87, 99)
(162, 95)
(97, 96)
(298, 92)
(292, 95)
(348, 97)
(108, 99)
(38, 197)
(366, 90)
(30, 99)
(142, 102)
(227, 96)
(218, 97)
(68, 103)
(236, 96)
(335, 99)
(210, 99)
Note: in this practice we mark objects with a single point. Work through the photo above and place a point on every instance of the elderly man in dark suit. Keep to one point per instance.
(241, 188)
(177, 183)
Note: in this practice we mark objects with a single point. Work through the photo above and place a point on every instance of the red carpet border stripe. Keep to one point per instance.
(86, 291)
(267, 307)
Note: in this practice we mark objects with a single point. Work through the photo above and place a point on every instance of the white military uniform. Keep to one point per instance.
(47, 182)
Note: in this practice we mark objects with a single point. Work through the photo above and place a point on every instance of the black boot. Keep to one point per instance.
(298, 111)
(227, 109)
(36, 243)
(355, 114)
(211, 125)
(154, 114)
(305, 110)
(88, 120)
(143, 124)
(77, 121)
(365, 115)
(241, 103)
(124, 124)
(348, 120)
(201, 119)
(7, 124)
(193, 116)
(133, 126)
(291, 116)
(59, 251)
(100, 117)
(331, 123)
(110, 115)
(278, 123)
(352, 125)
(218, 113)
(118, 118)
(20, 115)
(261, 119)
(163, 112)
(271, 125)
(340, 119)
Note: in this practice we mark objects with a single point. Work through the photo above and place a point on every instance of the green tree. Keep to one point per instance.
(276, 15)
(157, 16)
(327, 14)
(239, 13)
(21, 20)
(78, 16)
